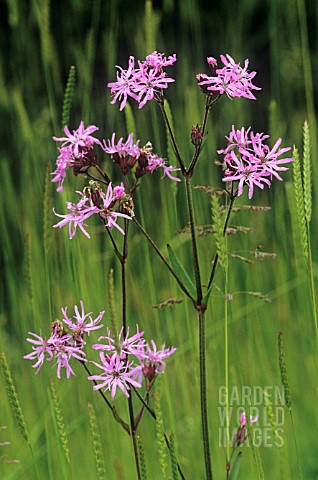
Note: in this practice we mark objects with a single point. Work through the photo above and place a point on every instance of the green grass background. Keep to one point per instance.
(42, 270)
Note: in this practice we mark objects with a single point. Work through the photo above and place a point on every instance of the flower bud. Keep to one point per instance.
(196, 135)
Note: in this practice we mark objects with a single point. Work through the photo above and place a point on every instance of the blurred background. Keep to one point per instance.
(42, 270)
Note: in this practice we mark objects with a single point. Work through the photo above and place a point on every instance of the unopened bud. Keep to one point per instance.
(149, 371)
(196, 135)
(213, 64)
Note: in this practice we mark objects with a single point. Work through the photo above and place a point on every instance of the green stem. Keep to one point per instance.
(154, 416)
(226, 345)
(296, 446)
(203, 396)
(193, 239)
(34, 461)
(312, 285)
(124, 323)
(152, 243)
(202, 346)
(173, 140)
(112, 407)
(208, 106)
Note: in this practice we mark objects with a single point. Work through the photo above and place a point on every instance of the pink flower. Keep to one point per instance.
(243, 419)
(125, 85)
(122, 149)
(144, 83)
(64, 350)
(59, 347)
(232, 79)
(94, 201)
(128, 154)
(82, 324)
(76, 152)
(80, 138)
(150, 81)
(42, 350)
(63, 163)
(151, 359)
(245, 173)
(250, 161)
(109, 344)
(116, 373)
(119, 192)
(130, 345)
(106, 213)
(78, 214)
(268, 158)
(157, 61)
(123, 153)
(155, 162)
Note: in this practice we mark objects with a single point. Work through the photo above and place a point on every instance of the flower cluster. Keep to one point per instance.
(240, 436)
(232, 79)
(249, 160)
(77, 152)
(144, 83)
(94, 201)
(64, 343)
(126, 359)
(128, 155)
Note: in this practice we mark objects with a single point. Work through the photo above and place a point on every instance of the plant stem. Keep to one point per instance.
(202, 347)
(208, 106)
(124, 323)
(152, 243)
(312, 285)
(173, 140)
(103, 174)
(193, 239)
(296, 445)
(154, 416)
(112, 407)
(203, 396)
(226, 348)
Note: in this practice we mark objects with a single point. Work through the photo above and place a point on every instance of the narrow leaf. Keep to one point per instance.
(236, 467)
(207, 295)
(130, 120)
(181, 272)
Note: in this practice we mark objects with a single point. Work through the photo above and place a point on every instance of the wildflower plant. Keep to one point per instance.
(126, 363)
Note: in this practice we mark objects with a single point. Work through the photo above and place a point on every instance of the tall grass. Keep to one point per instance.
(43, 270)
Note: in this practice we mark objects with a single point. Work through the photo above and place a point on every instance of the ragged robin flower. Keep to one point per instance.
(233, 79)
(77, 152)
(128, 155)
(143, 84)
(64, 344)
(94, 201)
(250, 161)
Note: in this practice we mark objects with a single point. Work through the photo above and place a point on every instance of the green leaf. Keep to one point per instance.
(203, 143)
(181, 272)
(236, 467)
(206, 297)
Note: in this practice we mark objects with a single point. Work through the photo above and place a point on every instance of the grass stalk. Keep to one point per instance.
(60, 423)
(15, 405)
(97, 444)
